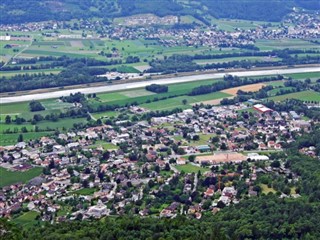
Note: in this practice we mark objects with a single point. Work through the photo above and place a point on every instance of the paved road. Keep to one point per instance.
(128, 86)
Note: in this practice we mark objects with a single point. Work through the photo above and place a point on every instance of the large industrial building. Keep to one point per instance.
(262, 109)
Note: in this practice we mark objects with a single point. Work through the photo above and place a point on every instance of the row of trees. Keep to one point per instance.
(77, 73)
(184, 63)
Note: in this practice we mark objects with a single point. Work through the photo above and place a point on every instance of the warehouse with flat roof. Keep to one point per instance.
(261, 108)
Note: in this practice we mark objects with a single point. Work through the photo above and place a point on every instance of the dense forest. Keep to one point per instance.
(19, 11)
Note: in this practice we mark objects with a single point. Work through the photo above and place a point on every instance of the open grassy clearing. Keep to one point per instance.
(137, 93)
(26, 219)
(46, 71)
(10, 177)
(108, 97)
(105, 114)
(275, 83)
(127, 69)
(203, 140)
(4, 127)
(301, 55)
(188, 86)
(55, 104)
(247, 110)
(273, 92)
(11, 138)
(105, 145)
(284, 43)
(61, 123)
(85, 191)
(208, 61)
(189, 168)
(14, 108)
(303, 96)
(231, 24)
(311, 75)
(36, 52)
(171, 103)
(265, 189)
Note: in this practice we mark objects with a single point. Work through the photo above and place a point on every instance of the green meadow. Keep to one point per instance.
(303, 96)
(189, 168)
(11, 138)
(10, 177)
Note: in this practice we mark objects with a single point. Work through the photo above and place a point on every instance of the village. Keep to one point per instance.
(190, 163)
(297, 26)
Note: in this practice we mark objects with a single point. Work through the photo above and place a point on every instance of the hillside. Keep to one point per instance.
(19, 11)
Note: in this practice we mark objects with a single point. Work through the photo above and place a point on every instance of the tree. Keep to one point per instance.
(36, 106)
(184, 101)
(275, 164)
(20, 138)
(85, 183)
(223, 146)
(8, 119)
(191, 158)
(167, 167)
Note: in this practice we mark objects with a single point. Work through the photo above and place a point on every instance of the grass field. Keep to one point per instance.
(315, 75)
(8, 177)
(208, 61)
(137, 93)
(265, 45)
(54, 104)
(14, 108)
(203, 140)
(266, 189)
(26, 219)
(275, 83)
(105, 145)
(11, 139)
(105, 114)
(11, 127)
(46, 71)
(62, 123)
(176, 102)
(85, 191)
(304, 96)
(189, 168)
(273, 92)
(108, 97)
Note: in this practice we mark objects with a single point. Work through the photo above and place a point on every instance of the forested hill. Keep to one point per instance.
(19, 11)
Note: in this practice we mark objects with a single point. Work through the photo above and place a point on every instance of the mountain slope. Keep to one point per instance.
(19, 11)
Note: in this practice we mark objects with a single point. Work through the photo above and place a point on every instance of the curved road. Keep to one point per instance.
(126, 86)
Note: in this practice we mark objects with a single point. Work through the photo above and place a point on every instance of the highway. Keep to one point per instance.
(140, 84)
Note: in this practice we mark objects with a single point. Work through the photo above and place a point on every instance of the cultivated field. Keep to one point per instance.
(246, 88)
